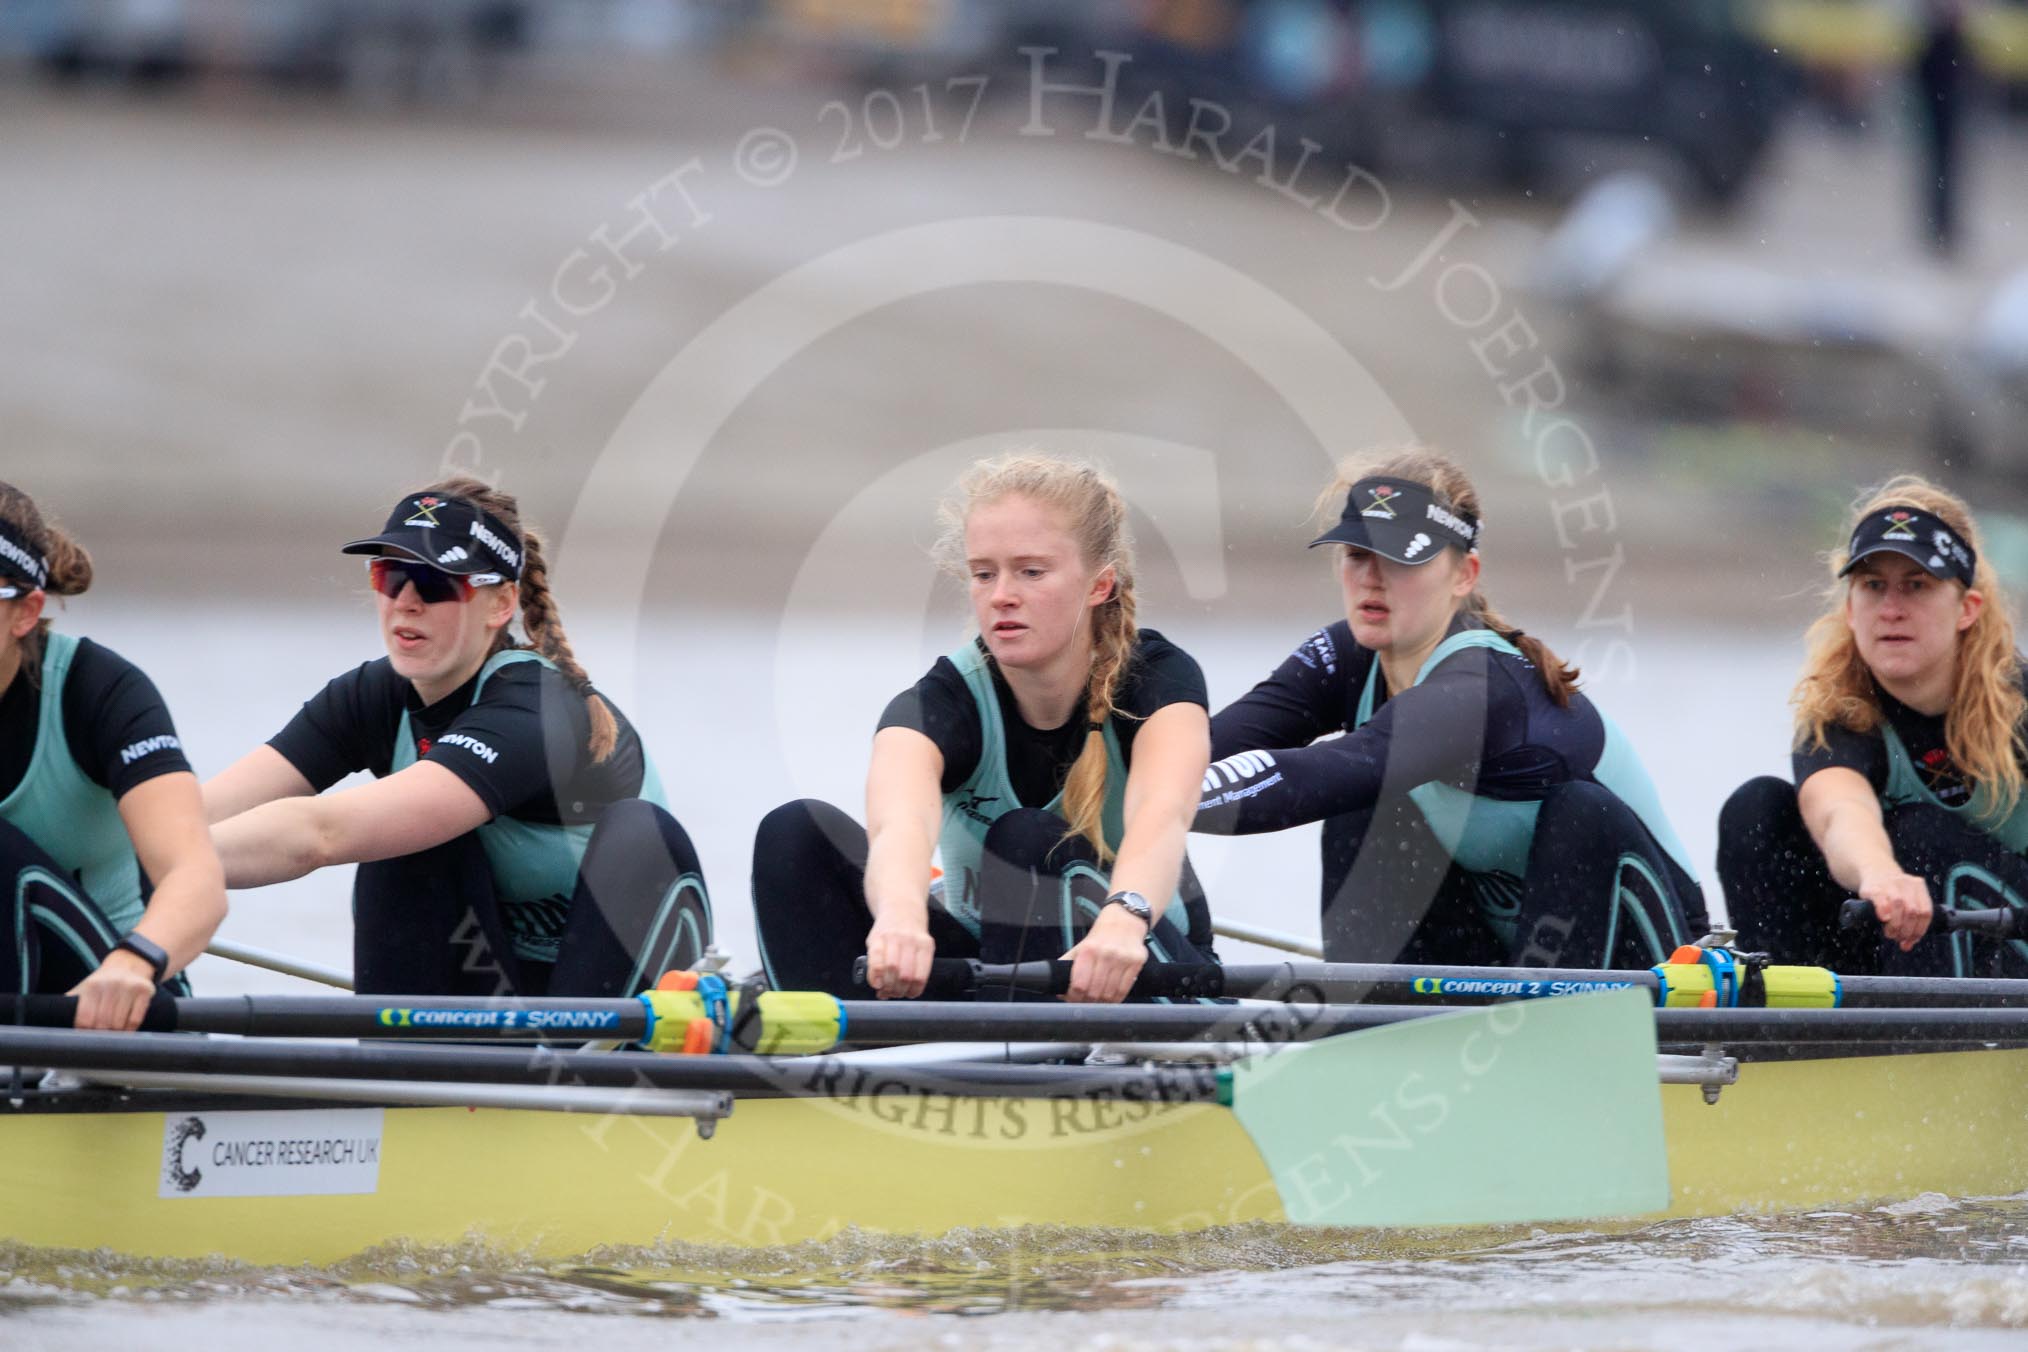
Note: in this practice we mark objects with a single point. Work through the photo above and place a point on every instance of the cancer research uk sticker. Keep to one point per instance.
(318, 1153)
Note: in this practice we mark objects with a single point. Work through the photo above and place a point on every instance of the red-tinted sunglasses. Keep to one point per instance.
(433, 586)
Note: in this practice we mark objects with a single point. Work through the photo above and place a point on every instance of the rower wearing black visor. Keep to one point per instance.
(1478, 808)
(1911, 738)
(109, 881)
(514, 838)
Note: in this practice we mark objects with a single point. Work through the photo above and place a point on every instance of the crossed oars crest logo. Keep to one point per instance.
(1381, 505)
(425, 512)
(1898, 527)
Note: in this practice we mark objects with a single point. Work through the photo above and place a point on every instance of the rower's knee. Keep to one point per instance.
(16, 842)
(632, 817)
(808, 856)
(1755, 807)
(1588, 805)
(636, 829)
(1585, 817)
(1030, 838)
(792, 830)
(18, 851)
(638, 852)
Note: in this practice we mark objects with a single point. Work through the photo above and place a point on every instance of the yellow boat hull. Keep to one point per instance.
(1789, 1136)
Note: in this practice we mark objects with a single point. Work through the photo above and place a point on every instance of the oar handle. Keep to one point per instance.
(60, 1011)
(1998, 923)
(953, 978)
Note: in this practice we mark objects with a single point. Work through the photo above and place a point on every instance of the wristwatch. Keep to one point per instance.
(1134, 904)
(148, 951)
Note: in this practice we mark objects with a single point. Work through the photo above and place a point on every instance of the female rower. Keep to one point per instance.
(1908, 757)
(1478, 809)
(1053, 760)
(514, 838)
(112, 887)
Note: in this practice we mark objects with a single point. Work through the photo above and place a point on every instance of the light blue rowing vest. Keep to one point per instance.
(76, 822)
(535, 864)
(988, 793)
(1905, 784)
(1491, 837)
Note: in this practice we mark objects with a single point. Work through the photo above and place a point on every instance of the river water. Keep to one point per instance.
(1933, 1272)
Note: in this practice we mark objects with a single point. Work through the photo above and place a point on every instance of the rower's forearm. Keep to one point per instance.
(1258, 791)
(1856, 847)
(230, 793)
(273, 843)
(1150, 860)
(898, 875)
(186, 909)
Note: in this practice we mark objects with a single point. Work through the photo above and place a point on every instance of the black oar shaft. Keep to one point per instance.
(877, 1023)
(438, 1018)
(1308, 983)
(874, 1023)
(821, 1076)
(1948, 992)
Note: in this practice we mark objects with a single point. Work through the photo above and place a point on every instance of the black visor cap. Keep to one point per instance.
(1914, 534)
(1399, 520)
(446, 533)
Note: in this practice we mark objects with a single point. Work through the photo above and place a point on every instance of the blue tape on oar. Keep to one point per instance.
(1538, 1110)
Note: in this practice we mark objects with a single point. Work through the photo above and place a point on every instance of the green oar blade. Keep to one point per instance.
(1533, 1111)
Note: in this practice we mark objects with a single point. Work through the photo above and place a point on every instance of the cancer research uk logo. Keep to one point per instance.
(316, 1152)
(175, 1172)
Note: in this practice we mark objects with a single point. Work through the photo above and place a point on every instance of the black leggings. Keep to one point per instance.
(55, 934)
(1038, 893)
(1600, 891)
(430, 924)
(1783, 900)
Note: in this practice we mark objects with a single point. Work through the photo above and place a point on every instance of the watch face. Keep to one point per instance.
(1134, 903)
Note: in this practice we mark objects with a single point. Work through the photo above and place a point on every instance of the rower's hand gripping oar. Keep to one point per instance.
(60, 1011)
(959, 978)
(1998, 923)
